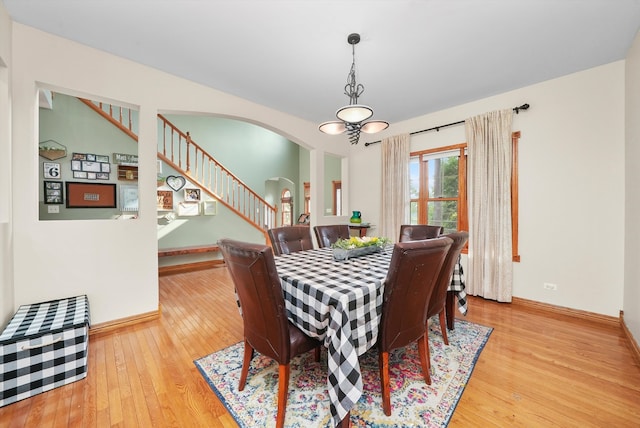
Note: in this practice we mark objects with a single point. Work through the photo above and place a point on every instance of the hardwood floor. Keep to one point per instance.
(538, 369)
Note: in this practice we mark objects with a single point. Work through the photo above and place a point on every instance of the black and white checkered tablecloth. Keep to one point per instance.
(457, 285)
(339, 302)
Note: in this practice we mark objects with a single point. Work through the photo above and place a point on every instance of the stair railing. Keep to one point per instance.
(121, 117)
(179, 151)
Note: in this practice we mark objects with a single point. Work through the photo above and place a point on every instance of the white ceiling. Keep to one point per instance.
(415, 57)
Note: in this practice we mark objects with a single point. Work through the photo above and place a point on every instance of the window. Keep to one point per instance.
(438, 189)
(286, 204)
(307, 197)
(435, 183)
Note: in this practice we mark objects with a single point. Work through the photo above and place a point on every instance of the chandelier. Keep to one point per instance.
(352, 117)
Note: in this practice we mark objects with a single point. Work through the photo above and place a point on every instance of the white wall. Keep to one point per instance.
(571, 155)
(571, 173)
(113, 262)
(632, 173)
(6, 271)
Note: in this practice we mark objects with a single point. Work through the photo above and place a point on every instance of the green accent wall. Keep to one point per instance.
(76, 126)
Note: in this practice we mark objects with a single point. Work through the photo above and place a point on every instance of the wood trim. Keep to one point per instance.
(110, 326)
(515, 137)
(189, 267)
(633, 345)
(195, 249)
(560, 310)
(110, 118)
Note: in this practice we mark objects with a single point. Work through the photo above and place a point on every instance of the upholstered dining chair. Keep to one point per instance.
(289, 239)
(266, 327)
(416, 232)
(328, 234)
(413, 273)
(438, 300)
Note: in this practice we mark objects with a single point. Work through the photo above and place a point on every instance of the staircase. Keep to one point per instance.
(179, 151)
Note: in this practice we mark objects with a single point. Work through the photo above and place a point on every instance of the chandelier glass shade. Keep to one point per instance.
(353, 116)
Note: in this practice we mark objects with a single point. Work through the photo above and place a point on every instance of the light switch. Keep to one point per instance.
(53, 209)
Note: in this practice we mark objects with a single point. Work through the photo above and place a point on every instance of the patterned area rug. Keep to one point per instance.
(413, 402)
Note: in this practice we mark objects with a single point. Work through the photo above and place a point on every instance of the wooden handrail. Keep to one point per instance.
(98, 107)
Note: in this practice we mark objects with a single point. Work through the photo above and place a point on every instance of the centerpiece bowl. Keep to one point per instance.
(344, 249)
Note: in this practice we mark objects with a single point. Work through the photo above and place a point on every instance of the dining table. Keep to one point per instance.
(340, 303)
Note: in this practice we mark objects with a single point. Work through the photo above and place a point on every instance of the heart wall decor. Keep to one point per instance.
(176, 182)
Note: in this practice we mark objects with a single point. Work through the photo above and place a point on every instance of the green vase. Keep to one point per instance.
(356, 217)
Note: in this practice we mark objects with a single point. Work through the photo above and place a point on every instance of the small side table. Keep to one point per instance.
(362, 230)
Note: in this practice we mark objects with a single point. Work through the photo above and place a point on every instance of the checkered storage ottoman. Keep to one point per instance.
(44, 346)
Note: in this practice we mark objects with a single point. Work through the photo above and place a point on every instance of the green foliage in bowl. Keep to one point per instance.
(357, 242)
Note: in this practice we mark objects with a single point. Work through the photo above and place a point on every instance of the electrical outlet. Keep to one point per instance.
(550, 286)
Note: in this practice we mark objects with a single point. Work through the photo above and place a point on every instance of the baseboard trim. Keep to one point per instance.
(560, 310)
(635, 349)
(189, 267)
(111, 326)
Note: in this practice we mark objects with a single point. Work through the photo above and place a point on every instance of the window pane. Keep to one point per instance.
(413, 207)
(443, 177)
(443, 213)
(414, 178)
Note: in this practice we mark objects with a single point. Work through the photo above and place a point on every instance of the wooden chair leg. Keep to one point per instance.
(385, 382)
(248, 354)
(443, 327)
(425, 357)
(283, 392)
(345, 422)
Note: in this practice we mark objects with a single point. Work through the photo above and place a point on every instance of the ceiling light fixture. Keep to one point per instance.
(352, 117)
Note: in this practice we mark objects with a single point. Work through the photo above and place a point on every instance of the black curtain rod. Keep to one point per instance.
(438, 128)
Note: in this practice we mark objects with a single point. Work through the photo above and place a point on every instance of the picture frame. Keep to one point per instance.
(128, 197)
(188, 209)
(90, 195)
(91, 175)
(102, 176)
(165, 200)
(76, 165)
(102, 158)
(51, 170)
(105, 167)
(91, 157)
(53, 192)
(80, 174)
(91, 166)
(125, 159)
(79, 156)
(192, 195)
(209, 207)
(127, 173)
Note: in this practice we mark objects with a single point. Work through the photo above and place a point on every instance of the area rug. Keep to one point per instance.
(413, 402)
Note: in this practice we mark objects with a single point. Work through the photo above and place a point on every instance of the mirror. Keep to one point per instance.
(332, 185)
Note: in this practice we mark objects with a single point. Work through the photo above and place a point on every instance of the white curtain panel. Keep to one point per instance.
(395, 185)
(490, 268)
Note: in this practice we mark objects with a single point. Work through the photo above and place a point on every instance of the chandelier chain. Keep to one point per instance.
(353, 89)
